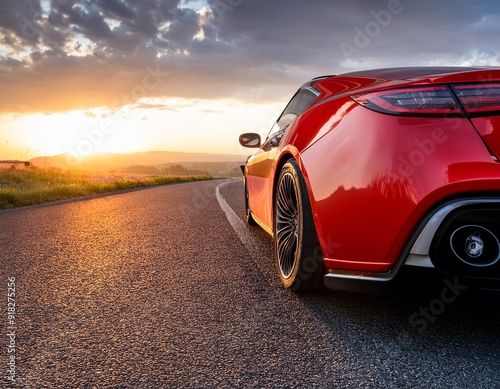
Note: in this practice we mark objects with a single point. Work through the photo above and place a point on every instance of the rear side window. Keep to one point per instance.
(297, 105)
(300, 102)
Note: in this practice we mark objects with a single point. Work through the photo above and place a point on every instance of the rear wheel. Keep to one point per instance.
(299, 257)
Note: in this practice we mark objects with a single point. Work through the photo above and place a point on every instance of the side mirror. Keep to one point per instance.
(250, 139)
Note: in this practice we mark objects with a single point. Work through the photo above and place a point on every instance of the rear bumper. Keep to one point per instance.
(428, 248)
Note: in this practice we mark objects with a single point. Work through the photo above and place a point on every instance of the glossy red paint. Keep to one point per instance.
(369, 185)
(489, 129)
(373, 177)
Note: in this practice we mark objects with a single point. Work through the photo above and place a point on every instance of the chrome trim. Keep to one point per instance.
(380, 277)
(358, 283)
(423, 243)
(472, 263)
(419, 261)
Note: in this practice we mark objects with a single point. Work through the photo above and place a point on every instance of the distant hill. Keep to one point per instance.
(113, 162)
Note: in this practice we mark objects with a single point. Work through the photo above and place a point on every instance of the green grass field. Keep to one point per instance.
(20, 187)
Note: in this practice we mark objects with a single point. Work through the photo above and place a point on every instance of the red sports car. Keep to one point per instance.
(368, 172)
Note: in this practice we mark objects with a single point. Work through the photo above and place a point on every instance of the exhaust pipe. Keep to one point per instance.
(475, 246)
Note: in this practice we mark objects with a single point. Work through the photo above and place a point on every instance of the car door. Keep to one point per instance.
(261, 166)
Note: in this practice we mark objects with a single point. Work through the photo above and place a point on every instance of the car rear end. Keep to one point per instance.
(447, 163)
(463, 236)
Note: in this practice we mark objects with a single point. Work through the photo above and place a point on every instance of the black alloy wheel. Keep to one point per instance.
(299, 257)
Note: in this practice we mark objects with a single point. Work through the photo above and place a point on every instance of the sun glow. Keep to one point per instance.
(152, 124)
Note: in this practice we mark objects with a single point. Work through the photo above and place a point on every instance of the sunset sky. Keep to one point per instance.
(181, 75)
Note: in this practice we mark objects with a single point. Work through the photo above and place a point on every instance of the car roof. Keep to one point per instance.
(409, 73)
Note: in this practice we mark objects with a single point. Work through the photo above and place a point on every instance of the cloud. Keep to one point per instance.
(20, 18)
(114, 52)
(117, 8)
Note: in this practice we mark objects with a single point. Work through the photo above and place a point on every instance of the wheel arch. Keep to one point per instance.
(308, 269)
(287, 154)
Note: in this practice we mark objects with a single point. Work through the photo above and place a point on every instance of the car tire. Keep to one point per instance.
(248, 213)
(298, 253)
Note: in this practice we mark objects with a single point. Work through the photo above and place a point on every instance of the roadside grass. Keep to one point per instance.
(30, 186)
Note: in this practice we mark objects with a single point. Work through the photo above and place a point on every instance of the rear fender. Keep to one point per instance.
(290, 152)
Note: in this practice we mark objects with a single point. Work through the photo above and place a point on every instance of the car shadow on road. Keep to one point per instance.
(440, 316)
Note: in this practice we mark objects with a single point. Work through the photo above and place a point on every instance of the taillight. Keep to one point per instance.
(434, 100)
(477, 98)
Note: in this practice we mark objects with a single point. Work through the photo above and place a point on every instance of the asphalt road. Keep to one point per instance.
(167, 287)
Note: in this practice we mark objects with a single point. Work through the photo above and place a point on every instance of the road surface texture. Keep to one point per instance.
(164, 288)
